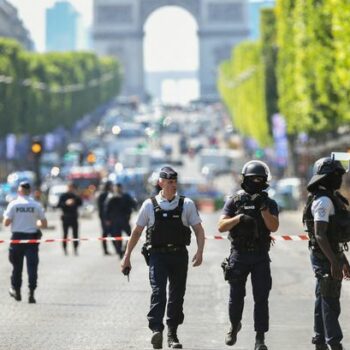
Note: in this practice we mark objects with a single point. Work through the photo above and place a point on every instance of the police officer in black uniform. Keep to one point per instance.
(119, 207)
(69, 202)
(26, 216)
(250, 216)
(101, 205)
(327, 222)
(168, 218)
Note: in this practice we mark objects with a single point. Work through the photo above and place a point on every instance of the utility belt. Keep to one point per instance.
(317, 252)
(249, 247)
(167, 249)
(170, 248)
(24, 235)
(337, 248)
(247, 250)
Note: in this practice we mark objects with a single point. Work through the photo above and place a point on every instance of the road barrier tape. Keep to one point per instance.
(125, 238)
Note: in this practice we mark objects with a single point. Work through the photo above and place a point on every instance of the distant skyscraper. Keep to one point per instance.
(254, 15)
(62, 27)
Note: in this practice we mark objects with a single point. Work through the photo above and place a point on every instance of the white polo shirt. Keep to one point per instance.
(24, 212)
(322, 208)
(189, 217)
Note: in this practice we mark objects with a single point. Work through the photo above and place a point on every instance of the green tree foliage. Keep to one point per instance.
(242, 87)
(313, 64)
(269, 51)
(53, 89)
(339, 11)
(247, 82)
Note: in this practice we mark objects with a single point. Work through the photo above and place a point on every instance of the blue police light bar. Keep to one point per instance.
(342, 157)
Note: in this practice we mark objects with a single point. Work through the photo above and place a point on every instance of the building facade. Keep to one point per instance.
(12, 27)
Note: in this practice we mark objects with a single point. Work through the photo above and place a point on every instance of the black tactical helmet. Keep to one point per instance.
(256, 168)
(322, 168)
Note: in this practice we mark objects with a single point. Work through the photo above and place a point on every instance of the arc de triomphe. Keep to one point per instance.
(119, 31)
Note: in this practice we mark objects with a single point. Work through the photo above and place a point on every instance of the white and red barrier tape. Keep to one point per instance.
(214, 237)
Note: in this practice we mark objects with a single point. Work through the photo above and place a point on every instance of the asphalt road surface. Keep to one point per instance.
(85, 303)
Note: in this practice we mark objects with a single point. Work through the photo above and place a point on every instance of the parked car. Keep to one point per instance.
(55, 192)
(287, 193)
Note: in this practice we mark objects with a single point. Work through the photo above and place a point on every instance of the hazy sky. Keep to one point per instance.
(32, 12)
(165, 40)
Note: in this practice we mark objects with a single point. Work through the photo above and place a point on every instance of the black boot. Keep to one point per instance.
(157, 340)
(321, 347)
(31, 299)
(173, 341)
(260, 341)
(15, 293)
(231, 336)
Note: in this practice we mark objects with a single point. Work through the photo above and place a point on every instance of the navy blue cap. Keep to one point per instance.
(168, 173)
(24, 184)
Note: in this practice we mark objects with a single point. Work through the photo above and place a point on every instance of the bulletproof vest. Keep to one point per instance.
(252, 236)
(168, 227)
(338, 230)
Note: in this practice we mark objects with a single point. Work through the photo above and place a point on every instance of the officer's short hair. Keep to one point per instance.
(168, 173)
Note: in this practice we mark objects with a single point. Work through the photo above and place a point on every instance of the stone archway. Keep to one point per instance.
(118, 30)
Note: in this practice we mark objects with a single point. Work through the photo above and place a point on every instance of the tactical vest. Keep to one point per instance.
(338, 230)
(168, 228)
(254, 236)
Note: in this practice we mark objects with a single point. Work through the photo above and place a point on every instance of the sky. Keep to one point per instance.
(160, 52)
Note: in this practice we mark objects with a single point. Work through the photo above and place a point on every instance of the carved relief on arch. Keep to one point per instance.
(114, 14)
(148, 6)
(117, 51)
(225, 12)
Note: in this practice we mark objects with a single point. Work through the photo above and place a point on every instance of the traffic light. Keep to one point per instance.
(91, 158)
(37, 148)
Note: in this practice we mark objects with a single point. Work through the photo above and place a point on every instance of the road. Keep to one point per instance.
(84, 302)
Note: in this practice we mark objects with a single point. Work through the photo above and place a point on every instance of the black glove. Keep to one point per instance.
(260, 200)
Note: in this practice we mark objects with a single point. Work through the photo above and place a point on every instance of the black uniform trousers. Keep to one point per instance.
(327, 305)
(116, 229)
(70, 222)
(17, 252)
(257, 264)
(105, 230)
(167, 267)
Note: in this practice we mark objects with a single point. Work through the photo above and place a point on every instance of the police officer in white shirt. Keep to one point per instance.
(168, 218)
(26, 216)
(326, 220)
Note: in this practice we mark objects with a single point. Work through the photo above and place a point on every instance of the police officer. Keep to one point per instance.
(69, 202)
(117, 215)
(168, 218)
(25, 215)
(250, 216)
(101, 205)
(327, 223)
